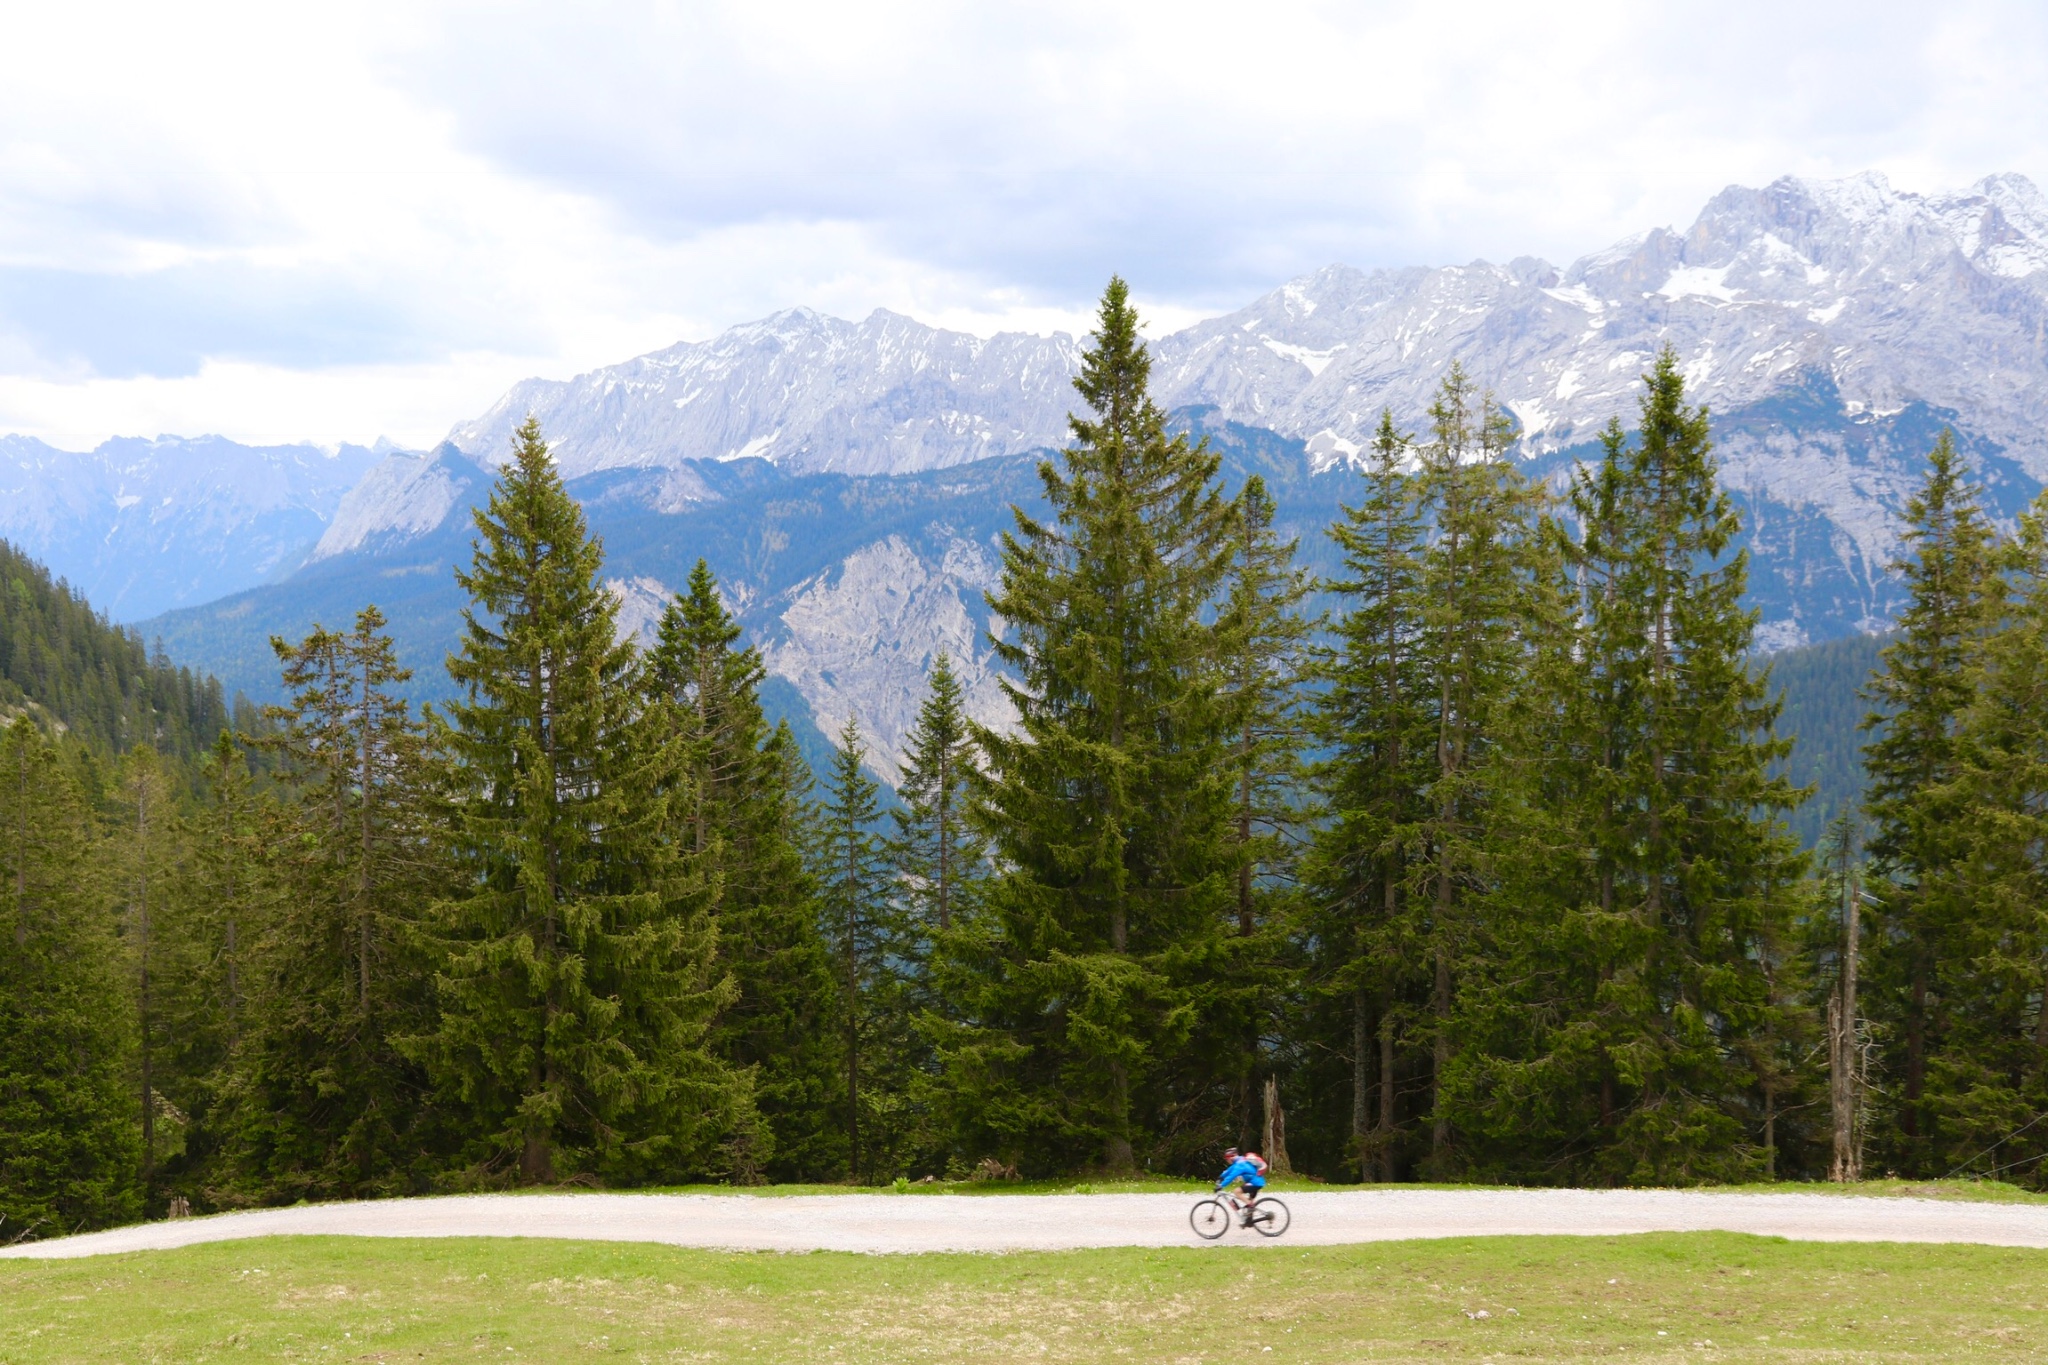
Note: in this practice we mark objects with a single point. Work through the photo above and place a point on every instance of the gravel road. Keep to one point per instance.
(904, 1223)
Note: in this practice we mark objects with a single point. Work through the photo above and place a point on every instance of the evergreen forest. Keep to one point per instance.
(1477, 861)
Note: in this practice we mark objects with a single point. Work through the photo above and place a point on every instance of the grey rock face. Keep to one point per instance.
(807, 392)
(405, 495)
(1895, 297)
(860, 640)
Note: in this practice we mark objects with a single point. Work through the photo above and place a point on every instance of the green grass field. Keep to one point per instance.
(1667, 1297)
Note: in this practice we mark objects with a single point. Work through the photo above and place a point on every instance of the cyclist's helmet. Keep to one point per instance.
(1230, 1152)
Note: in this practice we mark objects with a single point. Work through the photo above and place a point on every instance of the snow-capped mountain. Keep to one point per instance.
(1895, 297)
(803, 391)
(142, 526)
(1935, 307)
(1835, 327)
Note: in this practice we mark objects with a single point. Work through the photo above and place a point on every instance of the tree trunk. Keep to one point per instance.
(945, 838)
(1276, 1130)
(1387, 1097)
(234, 986)
(1117, 1154)
(1440, 1057)
(536, 1160)
(1770, 1131)
(852, 1021)
(1916, 1046)
(1244, 835)
(2041, 1017)
(1844, 1051)
(1361, 1083)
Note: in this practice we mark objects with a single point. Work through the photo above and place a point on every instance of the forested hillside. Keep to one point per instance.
(1488, 874)
(64, 662)
(1823, 688)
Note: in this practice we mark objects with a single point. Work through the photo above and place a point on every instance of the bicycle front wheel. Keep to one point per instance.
(1270, 1218)
(1210, 1219)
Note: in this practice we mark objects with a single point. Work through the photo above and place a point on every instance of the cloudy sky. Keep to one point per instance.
(277, 223)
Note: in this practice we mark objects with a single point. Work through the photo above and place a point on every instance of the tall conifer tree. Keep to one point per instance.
(941, 858)
(742, 818)
(1623, 1038)
(1263, 646)
(1109, 806)
(1990, 1066)
(579, 983)
(1929, 674)
(69, 1155)
(860, 922)
(323, 1101)
(1373, 729)
(1473, 576)
(145, 840)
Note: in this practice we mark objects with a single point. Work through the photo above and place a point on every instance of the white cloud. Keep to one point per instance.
(275, 221)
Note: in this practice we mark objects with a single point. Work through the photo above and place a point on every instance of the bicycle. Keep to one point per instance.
(1212, 1217)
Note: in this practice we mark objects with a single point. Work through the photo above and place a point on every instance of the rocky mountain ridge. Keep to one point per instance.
(1895, 297)
(810, 393)
(143, 526)
(1834, 327)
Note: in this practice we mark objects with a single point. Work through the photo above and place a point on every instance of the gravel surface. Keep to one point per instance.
(902, 1223)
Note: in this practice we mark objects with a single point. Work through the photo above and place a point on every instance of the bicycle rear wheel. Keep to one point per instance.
(1210, 1219)
(1270, 1218)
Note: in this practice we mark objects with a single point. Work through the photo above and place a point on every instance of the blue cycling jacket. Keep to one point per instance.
(1241, 1168)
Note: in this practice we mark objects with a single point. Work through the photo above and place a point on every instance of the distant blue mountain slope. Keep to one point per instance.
(851, 584)
(1819, 558)
(142, 526)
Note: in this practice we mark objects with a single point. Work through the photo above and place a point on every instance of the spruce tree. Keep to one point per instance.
(69, 1150)
(1372, 729)
(227, 882)
(743, 821)
(1109, 806)
(941, 865)
(579, 981)
(860, 923)
(322, 1101)
(1263, 646)
(1473, 579)
(210, 915)
(1640, 1009)
(1928, 677)
(941, 858)
(1989, 1070)
(145, 844)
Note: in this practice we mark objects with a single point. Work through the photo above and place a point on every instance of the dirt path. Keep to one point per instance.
(899, 1223)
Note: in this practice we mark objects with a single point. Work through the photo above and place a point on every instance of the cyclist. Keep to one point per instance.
(1245, 1167)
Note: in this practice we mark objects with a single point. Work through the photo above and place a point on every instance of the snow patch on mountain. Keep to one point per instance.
(804, 391)
(1897, 298)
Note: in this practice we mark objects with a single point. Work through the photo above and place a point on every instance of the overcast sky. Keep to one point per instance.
(279, 224)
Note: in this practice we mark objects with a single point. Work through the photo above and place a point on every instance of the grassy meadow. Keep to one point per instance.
(1663, 1297)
